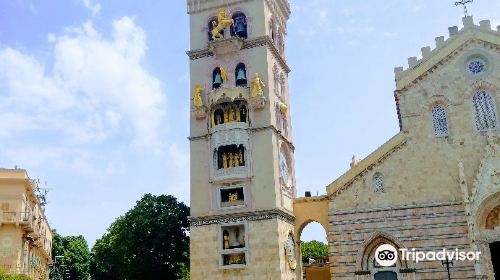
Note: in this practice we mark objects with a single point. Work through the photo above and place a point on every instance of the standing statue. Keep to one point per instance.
(222, 23)
(224, 75)
(197, 101)
(236, 160)
(241, 157)
(231, 160)
(224, 160)
(257, 86)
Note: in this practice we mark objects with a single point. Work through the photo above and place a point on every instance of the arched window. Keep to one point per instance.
(484, 111)
(211, 25)
(230, 156)
(218, 117)
(240, 25)
(271, 30)
(439, 121)
(216, 78)
(243, 114)
(378, 182)
(241, 75)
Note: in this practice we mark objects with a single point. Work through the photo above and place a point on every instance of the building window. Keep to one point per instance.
(484, 111)
(232, 197)
(282, 85)
(378, 182)
(476, 66)
(276, 80)
(439, 121)
(240, 25)
(241, 75)
(271, 30)
(216, 78)
(230, 112)
(230, 156)
(233, 245)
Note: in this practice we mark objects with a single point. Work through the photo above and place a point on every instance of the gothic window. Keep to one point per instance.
(476, 66)
(271, 30)
(218, 116)
(230, 156)
(484, 111)
(241, 75)
(216, 78)
(439, 121)
(240, 25)
(378, 182)
(211, 25)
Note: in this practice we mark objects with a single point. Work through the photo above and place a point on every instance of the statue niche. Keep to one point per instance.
(233, 237)
(230, 156)
(230, 112)
(232, 197)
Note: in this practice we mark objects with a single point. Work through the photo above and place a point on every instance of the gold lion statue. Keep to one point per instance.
(223, 23)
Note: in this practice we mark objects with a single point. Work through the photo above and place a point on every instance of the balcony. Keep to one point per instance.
(17, 218)
(240, 172)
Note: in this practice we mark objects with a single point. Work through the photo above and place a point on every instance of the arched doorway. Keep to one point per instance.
(311, 228)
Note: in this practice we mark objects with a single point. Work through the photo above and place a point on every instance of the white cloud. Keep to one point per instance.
(94, 8)
(97, 88)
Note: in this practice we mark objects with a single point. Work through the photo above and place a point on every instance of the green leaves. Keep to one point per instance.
(148, 242)
(76, 257)
(313, 250)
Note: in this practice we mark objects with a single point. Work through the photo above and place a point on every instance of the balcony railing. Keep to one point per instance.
(15, 217)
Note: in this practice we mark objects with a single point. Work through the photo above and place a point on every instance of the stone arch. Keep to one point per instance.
(308, 210)
(485, 209)
(369, 246)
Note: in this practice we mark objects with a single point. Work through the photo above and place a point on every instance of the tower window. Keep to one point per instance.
(476, 66)
(484, 111)
(230, 156)
(230, 112)
(378, 182)
(439, 121)
(232, 197)
(276, 80)
(240, 25)
(233, 245)
(241, 75)
(216, 78)
(282, 85)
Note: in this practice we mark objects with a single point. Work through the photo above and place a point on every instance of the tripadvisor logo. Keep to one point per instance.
(387, 255)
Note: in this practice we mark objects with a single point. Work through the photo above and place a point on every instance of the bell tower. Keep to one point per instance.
(242, 166)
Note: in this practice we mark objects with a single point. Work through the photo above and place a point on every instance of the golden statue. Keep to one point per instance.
(233, 116)
(257, 86)
(224, 75)
(223, 23)
(197, 101)
(231, 159)
(233, 197)
(226, 240)
(236, 160)
(226, 116)
(224, 160)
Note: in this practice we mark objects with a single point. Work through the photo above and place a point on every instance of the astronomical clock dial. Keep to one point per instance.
(284, 167)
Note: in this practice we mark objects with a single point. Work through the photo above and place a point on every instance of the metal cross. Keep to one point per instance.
(464, 3)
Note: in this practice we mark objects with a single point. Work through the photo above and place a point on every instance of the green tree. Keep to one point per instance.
(313, 250)
(76, 257)
(149, 242)
(4, 276)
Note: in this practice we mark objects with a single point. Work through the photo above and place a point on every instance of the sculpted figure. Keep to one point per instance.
(226, 116)
(231, 160)
(223, 23)
(236, 160)
(224, 161)
(197, 101)
(241, 157)
(224, 75)
(257, 86)
(233, 197)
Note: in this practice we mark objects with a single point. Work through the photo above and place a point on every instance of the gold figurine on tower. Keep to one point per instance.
(257, 86)
(223, 23)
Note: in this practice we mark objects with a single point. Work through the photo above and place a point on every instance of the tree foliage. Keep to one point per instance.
(313, 250)
(76, 257)
(148, 242)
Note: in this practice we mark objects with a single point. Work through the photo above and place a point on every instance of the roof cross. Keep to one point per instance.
(464, 3)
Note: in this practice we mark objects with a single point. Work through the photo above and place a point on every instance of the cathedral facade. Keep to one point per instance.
(433, 186)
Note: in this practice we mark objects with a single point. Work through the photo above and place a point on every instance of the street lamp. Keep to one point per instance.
(448, 263)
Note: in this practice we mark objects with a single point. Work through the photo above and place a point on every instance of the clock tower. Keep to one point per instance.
(242, 167)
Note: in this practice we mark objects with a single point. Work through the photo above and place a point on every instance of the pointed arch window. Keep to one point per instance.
(240, 74)
(240, 25)
(439, 121)
(216, 78)
(485, 115)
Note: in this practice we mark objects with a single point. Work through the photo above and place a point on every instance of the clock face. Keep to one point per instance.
(284, 167)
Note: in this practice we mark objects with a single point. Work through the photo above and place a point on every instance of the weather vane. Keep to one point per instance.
(464, 3)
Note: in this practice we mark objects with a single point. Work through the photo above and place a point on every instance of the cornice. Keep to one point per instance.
(241, 217)
(248, 44)
(198, 6)
(367, 164)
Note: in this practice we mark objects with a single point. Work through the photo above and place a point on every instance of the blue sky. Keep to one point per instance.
(95, 97)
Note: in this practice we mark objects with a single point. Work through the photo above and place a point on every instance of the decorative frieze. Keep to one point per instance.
(242, 217)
